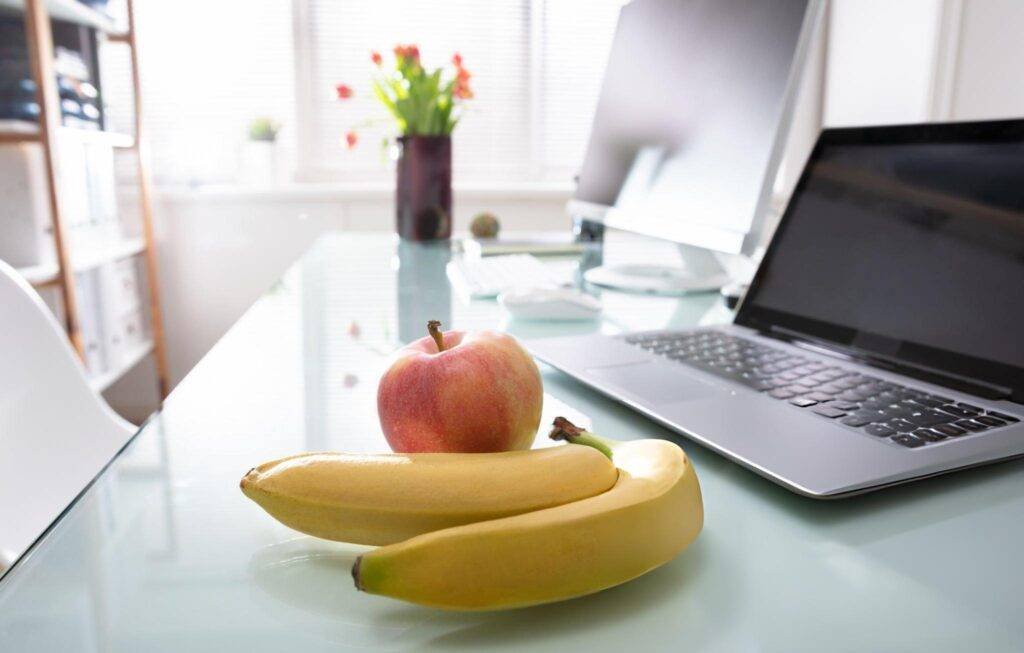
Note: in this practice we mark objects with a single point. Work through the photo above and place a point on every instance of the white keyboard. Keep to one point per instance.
(492, 275)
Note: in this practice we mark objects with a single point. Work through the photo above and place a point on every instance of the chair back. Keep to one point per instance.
(56, 432)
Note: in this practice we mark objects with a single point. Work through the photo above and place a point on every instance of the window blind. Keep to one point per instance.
(209, 68)
(536, 67)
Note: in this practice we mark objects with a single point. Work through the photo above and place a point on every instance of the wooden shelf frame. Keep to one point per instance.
(39, 41)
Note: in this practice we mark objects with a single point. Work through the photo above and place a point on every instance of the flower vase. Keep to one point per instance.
(423, 194)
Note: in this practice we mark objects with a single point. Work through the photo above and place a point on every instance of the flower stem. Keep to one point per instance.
(434, 329)
(566, 430)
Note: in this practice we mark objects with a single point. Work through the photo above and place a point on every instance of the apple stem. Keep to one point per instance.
(434, 329)
(566, 430)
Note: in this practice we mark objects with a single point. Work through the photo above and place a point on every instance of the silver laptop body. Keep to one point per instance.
(897, 266)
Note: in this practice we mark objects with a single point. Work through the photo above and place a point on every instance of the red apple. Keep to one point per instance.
(460, 392)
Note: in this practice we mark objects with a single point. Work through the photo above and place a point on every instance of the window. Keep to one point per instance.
(537, 67)
(536, 73)
(207, 69)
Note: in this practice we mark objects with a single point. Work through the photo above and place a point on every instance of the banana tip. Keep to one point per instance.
(355, 573)
(244, 483)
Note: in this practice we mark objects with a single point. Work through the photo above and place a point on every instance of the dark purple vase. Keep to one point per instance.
(423, 196)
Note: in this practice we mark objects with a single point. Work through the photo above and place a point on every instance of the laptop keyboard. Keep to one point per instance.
(905, 416)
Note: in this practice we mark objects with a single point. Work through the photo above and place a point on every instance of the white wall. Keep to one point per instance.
(922, 60)
(881, 61)
(989, 64)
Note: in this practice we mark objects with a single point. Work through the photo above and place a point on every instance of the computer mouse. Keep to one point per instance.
(550, 304)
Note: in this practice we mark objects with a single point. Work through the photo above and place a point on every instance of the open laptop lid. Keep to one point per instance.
(904, 245)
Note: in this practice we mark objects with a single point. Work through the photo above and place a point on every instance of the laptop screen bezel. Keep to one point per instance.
(875, 346)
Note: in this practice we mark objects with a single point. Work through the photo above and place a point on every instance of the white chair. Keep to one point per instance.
(56, 433)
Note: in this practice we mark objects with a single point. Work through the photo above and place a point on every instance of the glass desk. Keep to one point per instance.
(163, 553)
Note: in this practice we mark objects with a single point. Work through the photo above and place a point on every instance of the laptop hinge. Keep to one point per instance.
(963, 384)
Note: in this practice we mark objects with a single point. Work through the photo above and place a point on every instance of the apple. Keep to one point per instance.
(464, 392)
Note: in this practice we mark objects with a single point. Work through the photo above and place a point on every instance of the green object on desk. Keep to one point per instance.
(163, 553)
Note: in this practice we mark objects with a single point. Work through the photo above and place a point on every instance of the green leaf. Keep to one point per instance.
(419, 101)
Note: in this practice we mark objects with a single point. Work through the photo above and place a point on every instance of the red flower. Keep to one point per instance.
(376, 58)
(462, 90)
(411, 52)
(457, 60)
(344, 91)
(351, 138)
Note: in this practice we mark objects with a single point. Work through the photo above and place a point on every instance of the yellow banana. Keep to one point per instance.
(385, 498)
(651, 514)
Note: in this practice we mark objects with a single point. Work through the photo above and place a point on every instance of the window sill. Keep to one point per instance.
(340, 192)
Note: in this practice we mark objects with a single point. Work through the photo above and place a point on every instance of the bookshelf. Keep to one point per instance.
(48, 274)
(69, 10)
(48, 133)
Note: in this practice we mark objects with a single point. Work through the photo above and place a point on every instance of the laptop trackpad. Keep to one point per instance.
(651, 382)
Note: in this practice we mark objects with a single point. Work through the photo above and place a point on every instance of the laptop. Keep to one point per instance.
(882, 337)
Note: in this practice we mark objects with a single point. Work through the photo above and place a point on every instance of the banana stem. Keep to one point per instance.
(566, 430)
(434, 329)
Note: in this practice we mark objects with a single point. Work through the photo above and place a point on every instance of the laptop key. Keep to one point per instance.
(819, 396)
(964, 406)
(898, 410)
(901, 425)
(781, 393)
(970, 425)
(908, 440)
(880, 430)
(959, 412)
(929, 417)
(924, 402)
(1004, 417)
(949, 429)
(874, 415)
(988, 420)
(803, 402)
(929, 434)
(844, 405)
(888, 397)
(856, 420)
(827, 411)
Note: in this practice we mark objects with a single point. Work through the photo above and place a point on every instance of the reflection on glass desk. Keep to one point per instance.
(163, 553)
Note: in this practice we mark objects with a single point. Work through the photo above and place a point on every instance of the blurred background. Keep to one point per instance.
(247, 136)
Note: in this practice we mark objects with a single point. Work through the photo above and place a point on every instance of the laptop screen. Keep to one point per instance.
(907, 243)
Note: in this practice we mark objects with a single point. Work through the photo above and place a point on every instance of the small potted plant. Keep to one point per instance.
(259, 154)
(425, 106)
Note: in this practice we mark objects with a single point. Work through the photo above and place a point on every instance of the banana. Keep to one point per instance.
(651, 514)
(386, 498)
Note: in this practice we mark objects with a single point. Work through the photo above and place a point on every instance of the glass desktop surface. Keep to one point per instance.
(163, 553)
